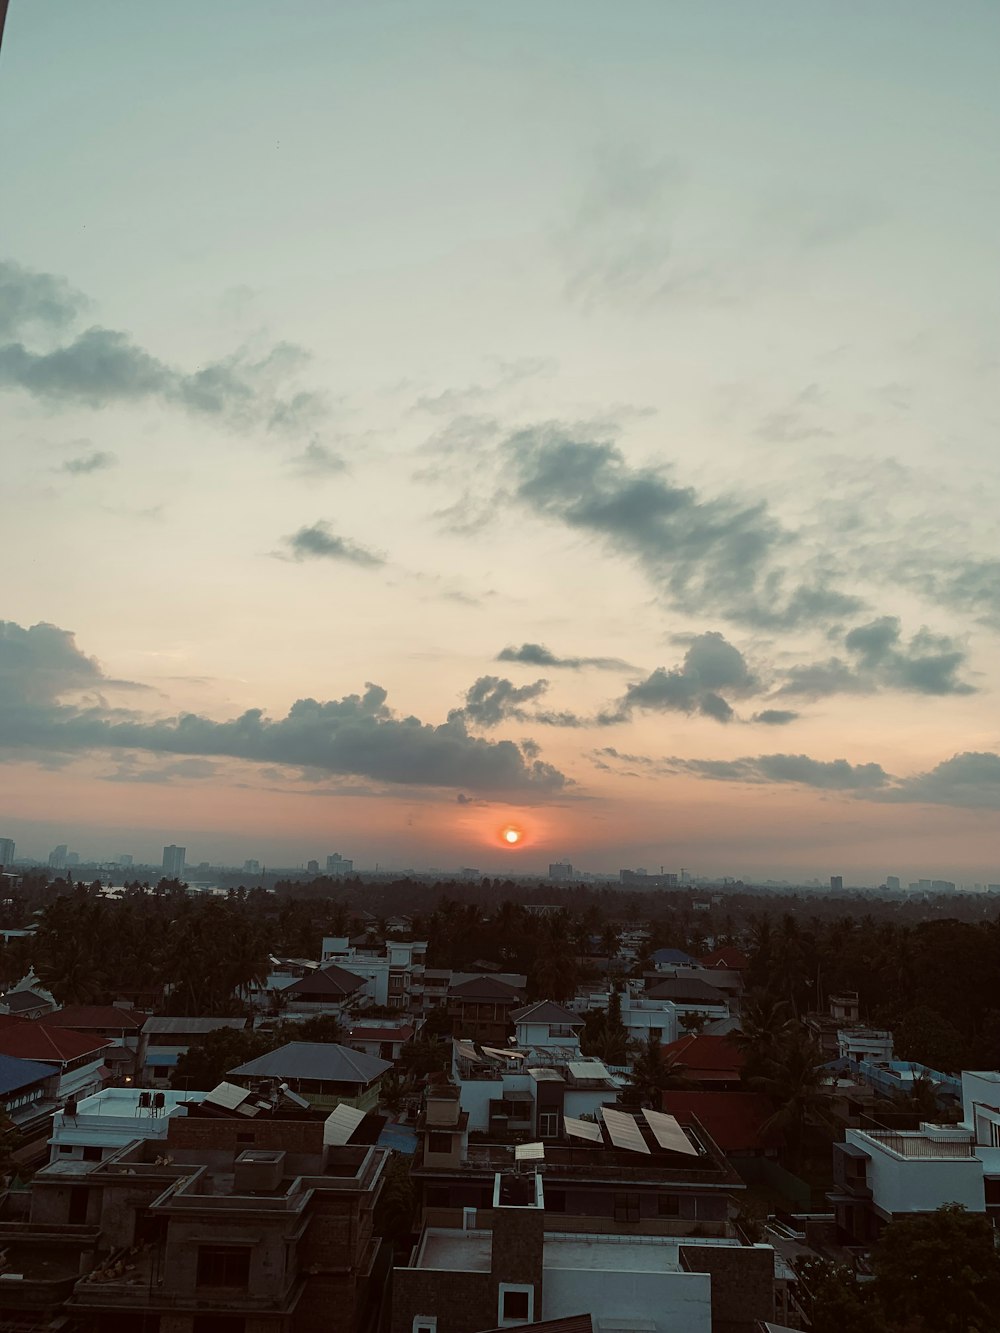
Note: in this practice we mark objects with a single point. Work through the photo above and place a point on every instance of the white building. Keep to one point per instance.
(393, 971)
(640, 1015)
(883, 1174)
(97, 1126)
(861, 1043)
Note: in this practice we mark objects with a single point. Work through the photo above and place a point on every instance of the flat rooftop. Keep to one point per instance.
(452, 1250)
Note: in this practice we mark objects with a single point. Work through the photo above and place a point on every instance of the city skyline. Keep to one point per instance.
(439, 430)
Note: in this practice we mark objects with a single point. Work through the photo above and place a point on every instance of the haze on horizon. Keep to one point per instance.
(419, 419)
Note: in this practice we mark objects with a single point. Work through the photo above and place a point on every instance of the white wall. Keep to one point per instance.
(674, 1302)
(585, 1101)
(919, 1185)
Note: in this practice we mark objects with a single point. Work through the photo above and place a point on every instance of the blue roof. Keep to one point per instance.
(16, 1073)
(673, 956)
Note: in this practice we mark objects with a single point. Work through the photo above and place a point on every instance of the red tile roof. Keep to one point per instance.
(705, 1057)
(735, 1120)
(87, 1016)
(729, 958)
(36, 1040)
(328, 980)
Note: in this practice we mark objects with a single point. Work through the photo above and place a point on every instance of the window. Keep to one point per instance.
(555, 1201)
(626, 1207)
(65, 1147)
(438, 1142)
(548, 1124)
(224, 1266)
(668, 1205)
(91, 1154)
(515, 1304)
(425, 1323)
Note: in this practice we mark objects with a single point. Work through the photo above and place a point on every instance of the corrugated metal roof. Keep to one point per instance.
(668, 1133)
(324, 1061)
(340, 1124)
(194, 1025)
(16, 1074)
(582, 1129)
(588, 1069)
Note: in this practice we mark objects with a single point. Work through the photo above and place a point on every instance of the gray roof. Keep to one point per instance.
(322, 1060)
(196, 1025)
(680, 989)
(16, 1000)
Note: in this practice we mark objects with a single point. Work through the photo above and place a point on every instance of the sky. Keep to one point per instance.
(423, 420)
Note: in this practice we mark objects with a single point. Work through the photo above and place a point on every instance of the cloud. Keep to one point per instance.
(493, 699)
(356, 735)
(29, 299)
(100, 367)
(718, 555)
(970, 779)
(317, 460)
(98, 461)
(319, 542)
(880, 659)
(508, 373)
(536, 654)
(799, 769)
(711, 665)
(131, 770)
(776, 717)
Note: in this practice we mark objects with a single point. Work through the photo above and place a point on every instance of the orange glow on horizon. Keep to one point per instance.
(511, 836)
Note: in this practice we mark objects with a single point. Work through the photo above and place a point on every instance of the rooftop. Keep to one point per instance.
(452, 1250)
(327, 1062)
(16, 1074)
(192, 1025)
(37, 1040)
(546, 1011)
(96, 1016)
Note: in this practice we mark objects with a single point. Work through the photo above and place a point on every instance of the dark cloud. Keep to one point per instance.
(493, 699)
(711, 665)
(718, 555)
(970, 779)
(320, 542)
(879, 658)
(357, 735)
(99, 367)
(776, 717)
(29, 299)
(536, 654)
(831, 775)
(130, 769)
(98, 461)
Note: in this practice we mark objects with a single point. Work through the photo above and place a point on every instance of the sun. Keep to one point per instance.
(512, 836)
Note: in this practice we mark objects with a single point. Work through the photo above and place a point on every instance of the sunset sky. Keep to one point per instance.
(425, 418)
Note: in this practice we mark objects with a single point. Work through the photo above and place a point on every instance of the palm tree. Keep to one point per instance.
(654, 1073)
(793, 1078)
(765, 1023)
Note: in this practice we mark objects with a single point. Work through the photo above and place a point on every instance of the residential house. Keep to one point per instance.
(708, 1062)
(527, 1091)
(260, 1224)
(29, 1092)
(726, 959)
(392, 969)
(640, 1015)
(329, 989)
(690, 997)
(882, 1174)
(546, 1023)
(326, 1074)
(383, 1038)
(481, 1008)
(670, 958)
(864, 1043)
(165, 1040)
(738, 1122)
(95, 1127)
(77, 1058)
(120, 1026)
(516, 1259)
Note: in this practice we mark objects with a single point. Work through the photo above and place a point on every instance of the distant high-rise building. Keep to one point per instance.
(124, 860)
(6, 851)
(251, 867)
(836, 883)
(72, 858)
(57, 857)
(560, 870)
(338, 865)
(313, 867)
(892, 882)
(173, 861)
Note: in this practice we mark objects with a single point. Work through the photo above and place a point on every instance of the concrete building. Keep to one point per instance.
(513, 1266)
(339, 865)
(95, 1127)
(174, 861)
(262, 1225)
(165, 1040)
(864, 1043)
(836, 883)
(883, 1174)
(392, 969)
(76, 1058)
(6, 852)
(29, 1092)
(560, 870)
(481, 1008)
(57, 857)
(323, 990)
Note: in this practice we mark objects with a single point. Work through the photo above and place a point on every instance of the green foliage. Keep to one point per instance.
(652, 1074)
(836, 1302)
(940, 1272)
(204, 1066)
(394, 1210)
